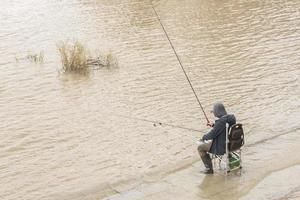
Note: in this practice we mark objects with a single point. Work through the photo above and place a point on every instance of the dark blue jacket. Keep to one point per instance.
(218, 134)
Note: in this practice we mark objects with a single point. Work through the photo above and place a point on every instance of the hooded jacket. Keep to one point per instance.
(218, 132)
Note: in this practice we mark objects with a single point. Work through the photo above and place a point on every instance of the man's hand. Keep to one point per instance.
(210, 124)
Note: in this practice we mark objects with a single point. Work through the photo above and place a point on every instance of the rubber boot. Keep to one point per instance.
(207, 163)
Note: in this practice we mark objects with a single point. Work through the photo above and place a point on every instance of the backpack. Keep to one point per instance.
(235, 137)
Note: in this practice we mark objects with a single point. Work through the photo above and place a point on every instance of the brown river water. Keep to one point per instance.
(65, 135)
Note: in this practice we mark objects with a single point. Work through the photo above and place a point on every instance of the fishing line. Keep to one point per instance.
(156, 123)
(180, 63)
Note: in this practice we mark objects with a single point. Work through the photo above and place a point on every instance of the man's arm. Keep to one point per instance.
(214, 132)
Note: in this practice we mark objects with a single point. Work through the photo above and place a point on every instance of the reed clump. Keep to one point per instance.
(34, 57)
(73, 57)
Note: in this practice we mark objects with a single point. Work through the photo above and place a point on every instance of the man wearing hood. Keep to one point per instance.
(215, 140)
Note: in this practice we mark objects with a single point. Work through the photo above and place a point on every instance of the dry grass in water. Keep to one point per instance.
(74, 58)
(36, 58)
(103, 60)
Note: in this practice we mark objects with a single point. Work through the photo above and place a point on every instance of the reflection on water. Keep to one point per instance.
(62, 135)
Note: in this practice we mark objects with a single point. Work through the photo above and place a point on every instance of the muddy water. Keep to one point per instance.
(66, 135)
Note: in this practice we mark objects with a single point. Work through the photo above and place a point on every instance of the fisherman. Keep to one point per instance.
(215, 140)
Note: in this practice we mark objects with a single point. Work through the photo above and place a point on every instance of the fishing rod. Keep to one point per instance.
(180, 63)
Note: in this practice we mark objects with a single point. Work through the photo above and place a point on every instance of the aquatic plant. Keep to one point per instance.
(73, 57)
(103, 60)
(111, 60)
(34, 57)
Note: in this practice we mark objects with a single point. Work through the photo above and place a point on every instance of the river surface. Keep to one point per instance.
(64, 135)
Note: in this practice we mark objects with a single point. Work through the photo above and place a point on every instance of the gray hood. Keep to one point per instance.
(219, 110)
(228, 119)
